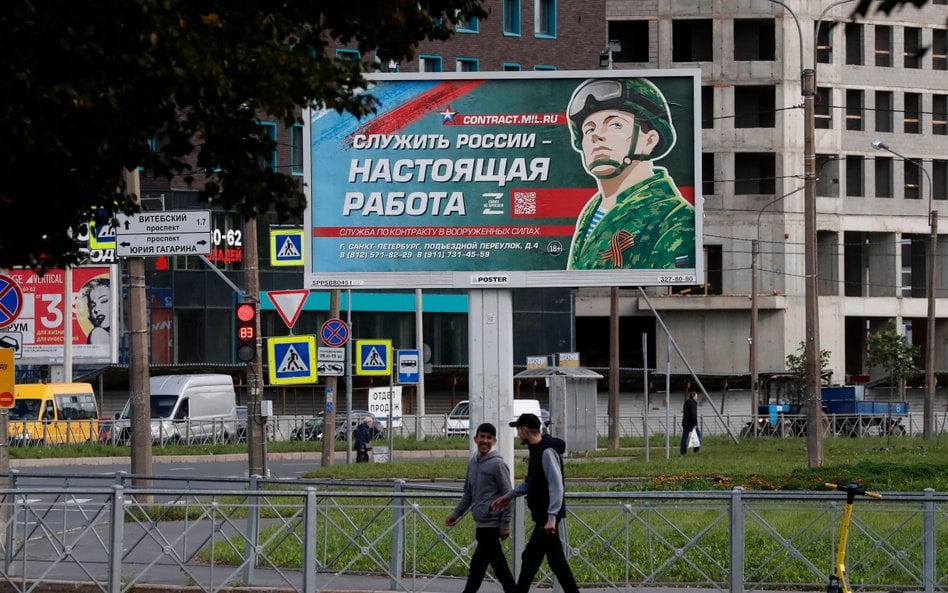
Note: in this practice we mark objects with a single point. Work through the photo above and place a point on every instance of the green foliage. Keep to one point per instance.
(88, 87)
(892, 352)
(796, 364)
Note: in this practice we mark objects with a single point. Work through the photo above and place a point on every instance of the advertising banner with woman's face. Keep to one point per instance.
(39, 331)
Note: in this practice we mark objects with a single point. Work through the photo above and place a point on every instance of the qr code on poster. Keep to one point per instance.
(524, 203)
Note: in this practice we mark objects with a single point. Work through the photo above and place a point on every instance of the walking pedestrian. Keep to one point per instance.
(488, 477)
(544, 487)
(363, 439)
(689, 422)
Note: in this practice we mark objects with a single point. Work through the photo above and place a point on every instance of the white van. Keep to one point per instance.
(458, 421)
(188, 408)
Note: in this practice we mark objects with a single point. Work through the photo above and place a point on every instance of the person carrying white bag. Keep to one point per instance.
(690, 433)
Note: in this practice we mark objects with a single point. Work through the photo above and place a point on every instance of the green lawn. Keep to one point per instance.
(897, 464)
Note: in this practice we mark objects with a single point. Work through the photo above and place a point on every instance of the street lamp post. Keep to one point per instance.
(928, 428)
(814, 414)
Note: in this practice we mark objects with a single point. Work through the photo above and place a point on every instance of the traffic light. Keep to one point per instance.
(246, 318)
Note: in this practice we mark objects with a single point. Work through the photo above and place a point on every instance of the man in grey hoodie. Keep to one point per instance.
(487, 478)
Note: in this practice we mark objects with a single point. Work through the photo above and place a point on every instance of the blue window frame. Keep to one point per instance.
(472, 25)
(351, 54)
(508, 67)
(545, 18)
(468, 65)
(544, 67)
(296, 149)
(270, 129)
(429, 64)
(511, 10)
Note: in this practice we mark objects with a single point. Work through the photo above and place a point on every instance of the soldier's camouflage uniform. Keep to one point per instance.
(651, 227)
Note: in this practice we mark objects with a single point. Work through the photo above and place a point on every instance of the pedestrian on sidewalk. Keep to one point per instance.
(689, 422)
(488, 477)
(545, 488)
(363, 439)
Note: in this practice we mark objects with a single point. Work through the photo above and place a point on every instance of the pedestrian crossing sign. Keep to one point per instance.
(292, 360)
(101, 236)
(286, 247)
(373, 357)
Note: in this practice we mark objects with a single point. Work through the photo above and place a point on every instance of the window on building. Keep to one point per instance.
(467, 65)
(296, 149)
(939, 49)
(713, 274)
(511, 9)
(270, 129)
(912, 47)
(854, 176)
(823, 108)
(854, 44)
(707, 173)
(912, 175)
(884, 109)
(429, 64)
(824, 42)
(634, 37)
(544, 67)
(754, 106)
(827, 175)
(940, 115)
(939, 179)
(707, 107)
(883, 46)
(883, 166)
(545, 18)
(754, 173)
(471, 25)
(512, 67)
(854, 109)
(348, 54)
(692, 40)
(913, 113)
(754, 39)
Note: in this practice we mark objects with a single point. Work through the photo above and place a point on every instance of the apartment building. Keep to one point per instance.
(879, 77)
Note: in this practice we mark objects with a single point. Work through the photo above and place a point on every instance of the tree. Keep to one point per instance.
(89, 88)
(796, 364)
(892, 352)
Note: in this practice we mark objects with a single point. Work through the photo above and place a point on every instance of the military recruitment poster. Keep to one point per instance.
(509, 179)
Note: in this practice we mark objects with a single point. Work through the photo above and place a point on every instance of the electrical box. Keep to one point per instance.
(266, 408)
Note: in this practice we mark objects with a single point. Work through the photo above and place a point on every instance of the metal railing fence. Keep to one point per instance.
(308, 536)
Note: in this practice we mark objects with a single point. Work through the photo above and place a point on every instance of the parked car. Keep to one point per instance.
(458, 420)
(312, 428)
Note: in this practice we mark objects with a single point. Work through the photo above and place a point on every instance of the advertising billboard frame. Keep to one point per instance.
(363, 177)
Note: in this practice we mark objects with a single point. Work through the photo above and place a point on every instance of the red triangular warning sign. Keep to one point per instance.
(289, 304)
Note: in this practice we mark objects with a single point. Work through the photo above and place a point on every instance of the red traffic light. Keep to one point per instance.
(246, 312)
(246, 330)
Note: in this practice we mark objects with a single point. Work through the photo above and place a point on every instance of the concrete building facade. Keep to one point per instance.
(878, 77)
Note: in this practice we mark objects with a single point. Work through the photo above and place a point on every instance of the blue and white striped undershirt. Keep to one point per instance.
(596, 219)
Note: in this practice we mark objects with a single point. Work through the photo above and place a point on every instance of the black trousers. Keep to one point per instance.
(489, 552)
(546, 544)
(362, 456)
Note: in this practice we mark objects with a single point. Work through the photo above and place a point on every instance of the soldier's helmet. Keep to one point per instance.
(637, 96)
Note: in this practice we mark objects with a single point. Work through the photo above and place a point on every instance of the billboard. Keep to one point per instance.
(477, 180)
(38, 333)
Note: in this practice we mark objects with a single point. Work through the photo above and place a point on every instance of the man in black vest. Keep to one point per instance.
(544, 487)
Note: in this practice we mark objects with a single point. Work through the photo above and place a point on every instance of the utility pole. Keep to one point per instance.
(755, 387)
(928, 422)
(329, 411)
(140, 392)
(613, 367)
(256, 435)
(814, 412)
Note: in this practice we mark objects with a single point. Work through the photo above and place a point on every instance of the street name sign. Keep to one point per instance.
(152, 234)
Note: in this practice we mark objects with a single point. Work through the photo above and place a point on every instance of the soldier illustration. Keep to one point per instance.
(638, 219)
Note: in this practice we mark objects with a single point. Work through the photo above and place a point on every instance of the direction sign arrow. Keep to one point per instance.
(182, 232)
